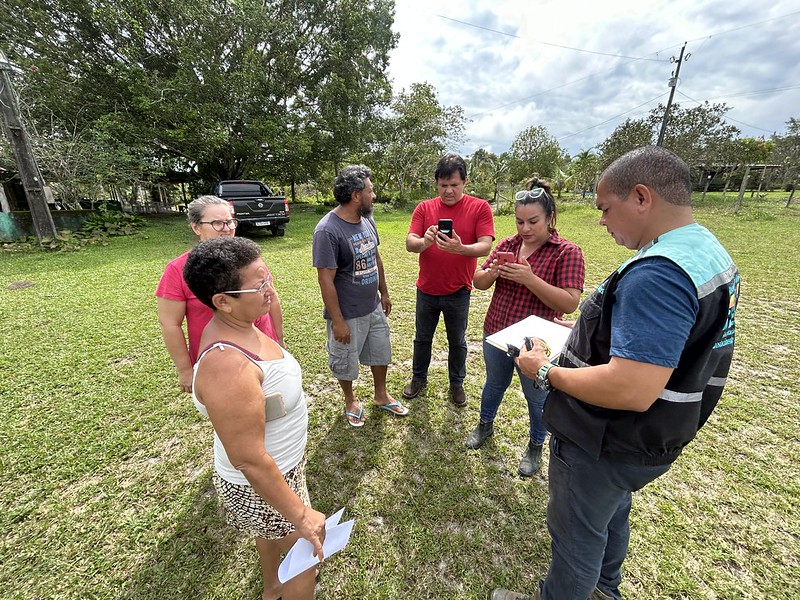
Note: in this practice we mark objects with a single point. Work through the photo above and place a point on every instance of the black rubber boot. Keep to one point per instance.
(531, 460)
(479, 435)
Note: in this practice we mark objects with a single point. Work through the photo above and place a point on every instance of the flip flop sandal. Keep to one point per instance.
(353, 419)
(396, 408)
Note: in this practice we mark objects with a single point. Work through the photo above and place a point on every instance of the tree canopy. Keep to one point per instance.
(534, 151)
(408, 141)
(696, 134)
(126, 94)
(210, 85)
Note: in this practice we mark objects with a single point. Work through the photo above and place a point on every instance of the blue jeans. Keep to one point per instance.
(455, 308)
(587, 516)
(499, 372)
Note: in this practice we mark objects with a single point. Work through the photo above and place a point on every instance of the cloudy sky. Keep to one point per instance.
(581, 67)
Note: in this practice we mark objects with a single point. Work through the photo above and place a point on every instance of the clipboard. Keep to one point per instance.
(553, 334)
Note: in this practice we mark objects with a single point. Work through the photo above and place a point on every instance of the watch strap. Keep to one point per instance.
(542, 378)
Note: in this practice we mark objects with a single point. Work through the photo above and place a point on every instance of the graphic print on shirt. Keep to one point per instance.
(365, 265)
(729, 330)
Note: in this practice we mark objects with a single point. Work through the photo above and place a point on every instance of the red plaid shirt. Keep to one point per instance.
(557, 261)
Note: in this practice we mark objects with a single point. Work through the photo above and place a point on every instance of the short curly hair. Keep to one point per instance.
(215, 265)
(349, 180)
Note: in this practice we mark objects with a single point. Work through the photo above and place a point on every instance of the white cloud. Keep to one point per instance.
(506, 83)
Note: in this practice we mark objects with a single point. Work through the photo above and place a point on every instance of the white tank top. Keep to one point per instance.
(285, 437)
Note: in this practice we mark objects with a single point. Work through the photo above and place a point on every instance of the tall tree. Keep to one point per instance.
(487, 171)
(534, 151)
(219, 84)
(633, 133)
(787, 153)
(409, 141)
(584, 169)
(695, 134)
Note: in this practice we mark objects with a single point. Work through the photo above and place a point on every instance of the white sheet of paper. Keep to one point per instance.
(301, 556)
(554, 334)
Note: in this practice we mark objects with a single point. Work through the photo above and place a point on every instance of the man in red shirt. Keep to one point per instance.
(446, 266)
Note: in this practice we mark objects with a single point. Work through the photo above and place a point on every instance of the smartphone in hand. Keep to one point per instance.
(446, 227)
(505, 257)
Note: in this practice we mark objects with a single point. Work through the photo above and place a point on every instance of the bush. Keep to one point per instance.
(96, 229)
(112, 223)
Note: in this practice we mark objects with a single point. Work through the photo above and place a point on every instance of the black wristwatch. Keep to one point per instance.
(541, 379)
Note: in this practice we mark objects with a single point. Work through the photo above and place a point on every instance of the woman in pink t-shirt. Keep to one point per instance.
(209, 217)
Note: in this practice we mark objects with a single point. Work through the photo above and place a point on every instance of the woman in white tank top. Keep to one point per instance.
(251, 390)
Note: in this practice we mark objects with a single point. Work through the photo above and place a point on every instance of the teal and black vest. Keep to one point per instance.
(658, 435)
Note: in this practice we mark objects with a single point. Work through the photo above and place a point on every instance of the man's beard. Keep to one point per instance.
(363, 211)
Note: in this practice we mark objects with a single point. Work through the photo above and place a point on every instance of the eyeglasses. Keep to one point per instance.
(220, 225)
(533, 194)
(260, 289)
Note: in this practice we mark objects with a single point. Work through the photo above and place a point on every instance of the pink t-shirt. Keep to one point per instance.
(173, 287)
(442, 273)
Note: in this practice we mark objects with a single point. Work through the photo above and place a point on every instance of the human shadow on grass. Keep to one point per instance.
(342, 454)
(433, 519)
(478, 524)
(184, 563)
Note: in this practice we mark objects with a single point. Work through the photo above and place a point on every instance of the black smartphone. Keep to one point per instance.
(446, 227)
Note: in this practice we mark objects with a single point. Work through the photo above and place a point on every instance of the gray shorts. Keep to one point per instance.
(369, 345)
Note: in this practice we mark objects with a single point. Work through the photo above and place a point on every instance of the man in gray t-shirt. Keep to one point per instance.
(351, 249)
(354, 292)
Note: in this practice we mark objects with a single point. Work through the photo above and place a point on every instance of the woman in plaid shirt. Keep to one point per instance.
(545, 279)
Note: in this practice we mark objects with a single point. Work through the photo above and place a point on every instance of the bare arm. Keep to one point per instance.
(330, 297)
(621, 384)
(386, 302)
(483, 279)
(453, 245)
(276, 315)
(417, 244)
(236, 411)
(170, 318)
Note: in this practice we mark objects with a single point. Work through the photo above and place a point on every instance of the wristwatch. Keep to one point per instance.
(541, 379)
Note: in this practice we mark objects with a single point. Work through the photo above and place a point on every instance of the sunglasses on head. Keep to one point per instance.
(533, 194)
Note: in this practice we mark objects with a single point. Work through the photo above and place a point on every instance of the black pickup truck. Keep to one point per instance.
(255, 205)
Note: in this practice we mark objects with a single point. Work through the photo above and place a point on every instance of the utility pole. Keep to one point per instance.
(32, 179)
(673, 83)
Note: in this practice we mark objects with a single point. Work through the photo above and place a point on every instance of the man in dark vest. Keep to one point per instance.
(640, 374)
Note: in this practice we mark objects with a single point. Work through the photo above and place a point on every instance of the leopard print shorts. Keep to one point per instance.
(246, 511)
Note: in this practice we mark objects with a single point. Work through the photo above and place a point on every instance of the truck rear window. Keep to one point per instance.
(243, 190)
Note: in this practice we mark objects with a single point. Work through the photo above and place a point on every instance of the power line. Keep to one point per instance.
(512, 35)
(537, 94)
(519, 100)
(614, 117)
(726, 117)
(704, 39)
(785, 88)
(632, 59)
(727, 31)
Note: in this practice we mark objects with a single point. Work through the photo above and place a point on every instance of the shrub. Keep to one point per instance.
(96, 229)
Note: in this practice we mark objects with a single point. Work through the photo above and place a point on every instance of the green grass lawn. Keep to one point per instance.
(105, 466)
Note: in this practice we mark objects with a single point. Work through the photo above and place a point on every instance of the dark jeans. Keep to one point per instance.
(500, 369)
(587, 516)
(455, 308)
